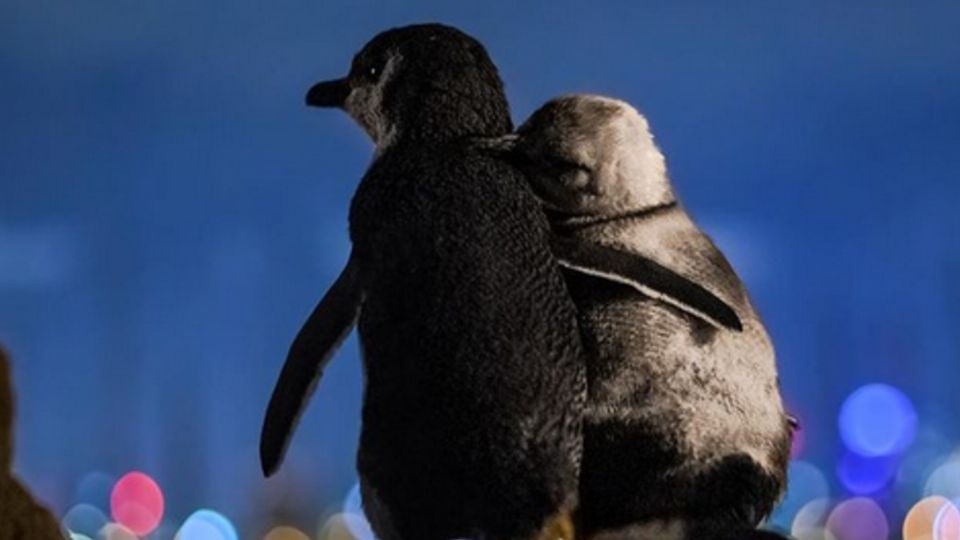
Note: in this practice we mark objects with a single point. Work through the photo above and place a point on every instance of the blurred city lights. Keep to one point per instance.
(137, 503)
(946, 525)
(84, 519)
(930, 449)
(877, 420)
(198, 530)
(359, 526)
(858, 519)
(944, 481)
(285, 533)
(353, 502)
(336, 528)
(805, 483)
(933, 518)
(814, 534)
(354, 517)
(862, 475)
(116, 531)
(877, 425)
(207, 525)
(810, 520)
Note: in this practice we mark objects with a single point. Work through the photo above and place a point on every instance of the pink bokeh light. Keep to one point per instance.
(136, 502)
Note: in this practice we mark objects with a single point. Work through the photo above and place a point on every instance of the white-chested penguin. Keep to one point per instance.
(21, 516)
(474, 373)
(685, 434)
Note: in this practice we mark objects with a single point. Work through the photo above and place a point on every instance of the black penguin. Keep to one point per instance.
(685, 436)
(475, 378)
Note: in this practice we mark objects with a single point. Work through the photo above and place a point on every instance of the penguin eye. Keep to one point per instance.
(367, 69)
(372, 72)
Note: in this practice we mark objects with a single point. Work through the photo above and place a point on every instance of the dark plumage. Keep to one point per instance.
(475, 380)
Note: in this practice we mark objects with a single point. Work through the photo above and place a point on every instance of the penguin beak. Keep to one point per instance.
(329, 93)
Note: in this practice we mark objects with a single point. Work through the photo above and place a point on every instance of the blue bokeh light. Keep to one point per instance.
(811, 519)
(84, 519)
(198, 530)
(353, 516)
(877, 420)
(944, 481)
(862, 475)
(805, 483)
(207, 524)
(353, 503)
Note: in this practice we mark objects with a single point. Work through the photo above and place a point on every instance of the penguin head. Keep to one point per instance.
(427, 82)
(592, 155)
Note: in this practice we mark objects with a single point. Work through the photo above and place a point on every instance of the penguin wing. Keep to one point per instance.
(311, 351)
(647, 276)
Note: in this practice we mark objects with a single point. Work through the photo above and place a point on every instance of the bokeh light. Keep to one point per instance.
(858, 519)
(944, 481)
(811, 519)
(285, 533)
(337, 527)
(207, 524)
(946, 525)
(930, 449)
(877, 420)
(862, 475)
(137, 503)
(78, 536)
(116, 531)
(933, 518)
(805, 483)
(814, 534)
(198, 530)
(354, 517)
(353, 502)
(84, 519)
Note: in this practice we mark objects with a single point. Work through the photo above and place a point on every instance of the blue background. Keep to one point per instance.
(170, 212)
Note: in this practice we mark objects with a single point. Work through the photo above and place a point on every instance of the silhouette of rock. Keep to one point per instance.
(21, 517)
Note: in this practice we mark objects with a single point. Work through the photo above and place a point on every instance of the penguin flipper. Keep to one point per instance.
(647, 276)
(311, 351)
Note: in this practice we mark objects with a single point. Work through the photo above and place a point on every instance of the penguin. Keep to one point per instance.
(474, 370)
(685, 434)
(20, 515)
